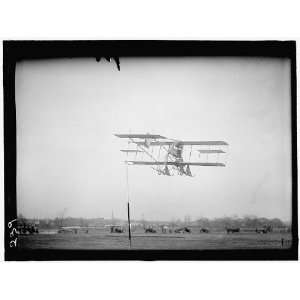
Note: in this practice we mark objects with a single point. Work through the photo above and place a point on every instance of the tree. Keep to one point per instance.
(21, 218)
(187, 220)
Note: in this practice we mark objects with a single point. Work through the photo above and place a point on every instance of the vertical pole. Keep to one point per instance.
(128, 210)
(129, 230)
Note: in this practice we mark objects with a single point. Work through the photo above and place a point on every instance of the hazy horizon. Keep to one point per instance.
(68, 111)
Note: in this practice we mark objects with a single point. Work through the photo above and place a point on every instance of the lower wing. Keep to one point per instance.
(171, 163)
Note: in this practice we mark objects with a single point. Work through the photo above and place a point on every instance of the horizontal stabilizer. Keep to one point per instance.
(140, 136)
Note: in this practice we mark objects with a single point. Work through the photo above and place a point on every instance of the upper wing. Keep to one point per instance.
(191, 143)
(204, 143)
(140, 136)
(131, 151)
(207, 164)
(156, 143)
(148, 163)
(171, 163)
(211, 151)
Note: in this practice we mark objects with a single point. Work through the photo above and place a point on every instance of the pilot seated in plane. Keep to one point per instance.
(176, 150)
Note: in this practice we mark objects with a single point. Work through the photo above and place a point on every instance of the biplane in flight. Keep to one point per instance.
(168, 156)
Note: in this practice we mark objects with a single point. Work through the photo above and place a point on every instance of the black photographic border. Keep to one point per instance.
(14, 51)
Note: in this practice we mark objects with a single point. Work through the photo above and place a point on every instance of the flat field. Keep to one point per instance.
(103, 240)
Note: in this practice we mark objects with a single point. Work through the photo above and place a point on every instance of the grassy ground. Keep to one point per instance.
(156, 241)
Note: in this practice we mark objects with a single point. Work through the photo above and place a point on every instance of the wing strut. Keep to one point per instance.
(191, 152)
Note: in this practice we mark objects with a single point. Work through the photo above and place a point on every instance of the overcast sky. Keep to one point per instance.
(68, 157)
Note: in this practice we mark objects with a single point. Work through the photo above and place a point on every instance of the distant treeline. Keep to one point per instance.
(246, 222)
(217, 223)
(61, 222)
